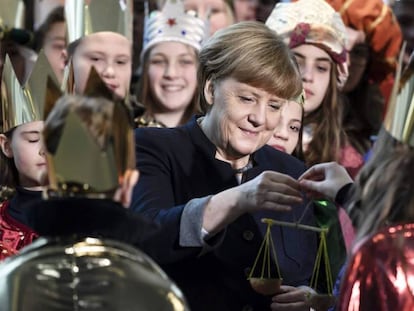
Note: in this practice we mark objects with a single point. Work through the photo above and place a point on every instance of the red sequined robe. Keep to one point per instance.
(380, 274)
(13, 234)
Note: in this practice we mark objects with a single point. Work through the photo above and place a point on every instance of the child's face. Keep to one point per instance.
(213, 10)
(315, 66)
(55, 48)
(110, 54)
(172, 75)
(26, 148)
(286, 135)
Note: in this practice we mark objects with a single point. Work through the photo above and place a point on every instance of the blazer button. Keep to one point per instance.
(248, 235)
(247, 308)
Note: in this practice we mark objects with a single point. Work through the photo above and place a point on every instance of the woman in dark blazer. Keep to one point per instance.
(210, 182)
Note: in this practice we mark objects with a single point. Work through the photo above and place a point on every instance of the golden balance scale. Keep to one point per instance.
(266, 284)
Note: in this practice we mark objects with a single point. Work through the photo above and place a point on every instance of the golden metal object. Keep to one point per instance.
(86, 274)
(399, 120)
(87, 17)
(23, 104)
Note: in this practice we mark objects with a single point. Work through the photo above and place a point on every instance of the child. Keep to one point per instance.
(104, 43)
(22, 157)
(288, 135)
(168, 84)
(317, 36)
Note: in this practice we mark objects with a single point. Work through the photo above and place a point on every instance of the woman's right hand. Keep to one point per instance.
(269, 191)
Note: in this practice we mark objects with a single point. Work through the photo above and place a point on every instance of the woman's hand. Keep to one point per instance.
(325, 180)
(270, 191)
(291, 299)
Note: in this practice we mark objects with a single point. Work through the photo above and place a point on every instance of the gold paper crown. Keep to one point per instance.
(174, 24)
(100, 15)
(12, 14)
(79, 162)
(23, 104)
(399, 121)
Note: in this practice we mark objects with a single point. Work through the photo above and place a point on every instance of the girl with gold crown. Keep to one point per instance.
(104, 43)
(168, 83)
(317, 36)
(22, 157)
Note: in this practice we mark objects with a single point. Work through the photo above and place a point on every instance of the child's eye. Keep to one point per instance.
(186, 62)
(157, 61)
(295, 128)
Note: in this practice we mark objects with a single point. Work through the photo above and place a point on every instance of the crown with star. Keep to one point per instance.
(172, 23)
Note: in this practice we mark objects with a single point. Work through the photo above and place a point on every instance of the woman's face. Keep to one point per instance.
(172, 75)
(54, 47)
(216, 9)
(246, 117)
(110, 54)
(315, 67)
(26, 148)
(286, 135)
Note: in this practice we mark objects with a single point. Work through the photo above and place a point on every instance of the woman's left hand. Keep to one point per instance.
(291, 299)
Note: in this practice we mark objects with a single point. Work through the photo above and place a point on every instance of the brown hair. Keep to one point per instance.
(328, 136)
(253, 54)
(9, 176)
(57, 15)
(146, 98)
(383, 189)
(95, 113)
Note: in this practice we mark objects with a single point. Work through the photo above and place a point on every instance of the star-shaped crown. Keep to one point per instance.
(172, 23)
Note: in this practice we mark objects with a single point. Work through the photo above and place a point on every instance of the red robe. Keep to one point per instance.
(13, 234)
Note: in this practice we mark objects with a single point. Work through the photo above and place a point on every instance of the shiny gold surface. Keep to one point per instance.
(83, 19)
(81, 164)
(88, 274)
(23, 104)
(399, 121)
(12, 14)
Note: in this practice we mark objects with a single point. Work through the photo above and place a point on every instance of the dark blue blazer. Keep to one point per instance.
(179, 164)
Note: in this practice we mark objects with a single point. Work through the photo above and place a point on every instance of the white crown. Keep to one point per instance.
(174, 24)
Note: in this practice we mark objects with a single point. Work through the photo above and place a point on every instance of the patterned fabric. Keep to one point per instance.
(312, 22)
(13, 234)
(381, 28)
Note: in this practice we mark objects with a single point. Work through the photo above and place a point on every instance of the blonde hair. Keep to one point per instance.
(383, 190)
(253, 54)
